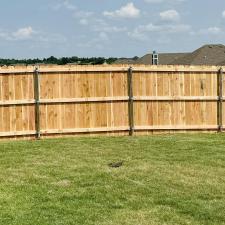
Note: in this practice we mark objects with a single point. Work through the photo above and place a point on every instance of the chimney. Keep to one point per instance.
(155, 58)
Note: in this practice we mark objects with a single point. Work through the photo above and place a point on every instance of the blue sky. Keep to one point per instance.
(117, 28)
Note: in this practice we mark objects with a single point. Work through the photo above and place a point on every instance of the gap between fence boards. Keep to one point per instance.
(220, 100)
(37, 102)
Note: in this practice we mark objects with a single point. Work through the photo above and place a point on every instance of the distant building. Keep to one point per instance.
(206, 55)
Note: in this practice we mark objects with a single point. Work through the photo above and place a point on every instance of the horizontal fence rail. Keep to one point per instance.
(38, 101)
(112, 99)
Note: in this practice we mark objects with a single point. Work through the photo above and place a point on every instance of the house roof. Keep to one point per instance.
(221, 63)
(206, 55)
(125, 61)
(164, 58)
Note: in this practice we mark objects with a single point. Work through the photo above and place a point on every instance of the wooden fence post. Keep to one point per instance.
(37, 102)
(131, 101)
(220, 100)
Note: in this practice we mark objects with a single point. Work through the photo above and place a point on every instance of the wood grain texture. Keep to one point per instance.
(94, 99)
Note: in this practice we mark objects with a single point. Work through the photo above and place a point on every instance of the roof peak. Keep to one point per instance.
(213, 46)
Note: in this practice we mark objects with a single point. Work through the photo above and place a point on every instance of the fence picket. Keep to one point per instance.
(115, 99)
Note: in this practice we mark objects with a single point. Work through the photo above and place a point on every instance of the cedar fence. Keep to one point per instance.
(40, 101)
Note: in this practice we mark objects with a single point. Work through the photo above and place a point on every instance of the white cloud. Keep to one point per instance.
(4, 35)
(83, 14)
(103, 36)
(63, 4)
(23, 33)
(85, 18)
(154, 1)
(137, 35)
(178, 28)
(50, 38)
(28, 33)
(109, 29)
(84, 22)
(223, 14)
(68, 5)
(76, 12)
(98, 42)
(142, 32)
(127, 11)
(170, 15)
(149, 28)
(163, 40)
(214, 30)
(104, 31)
(209, 31)
(164, 1)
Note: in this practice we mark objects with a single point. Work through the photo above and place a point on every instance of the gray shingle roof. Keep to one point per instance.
(164, 58)
(206, 55)
(125, 61)
(221, 63)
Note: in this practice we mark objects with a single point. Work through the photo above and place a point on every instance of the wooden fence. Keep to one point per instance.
(63, 100)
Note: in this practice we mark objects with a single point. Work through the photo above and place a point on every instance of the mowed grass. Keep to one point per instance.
(171, 179)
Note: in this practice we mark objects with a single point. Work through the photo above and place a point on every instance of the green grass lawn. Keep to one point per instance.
(174, 179)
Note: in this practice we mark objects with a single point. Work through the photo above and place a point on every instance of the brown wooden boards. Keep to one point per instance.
(112, 99)
(16, 104)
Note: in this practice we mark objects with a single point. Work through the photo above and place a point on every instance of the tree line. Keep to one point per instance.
(59, 61)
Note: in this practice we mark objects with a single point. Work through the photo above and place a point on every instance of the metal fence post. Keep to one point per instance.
(220, 100)
(37, 102)
(131, 101)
